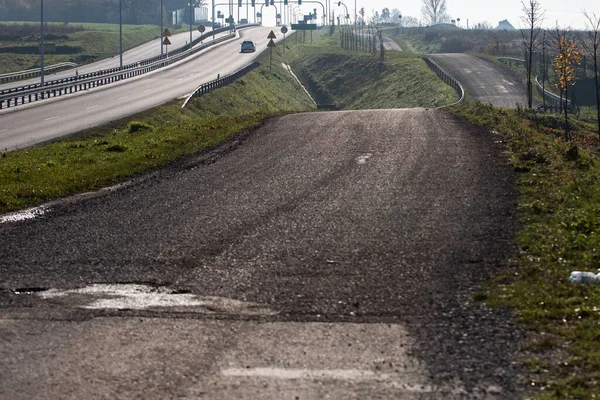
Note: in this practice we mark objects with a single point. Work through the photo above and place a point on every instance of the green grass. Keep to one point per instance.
(560, 213)
(110, 154)
(357, 80)
(96, 42)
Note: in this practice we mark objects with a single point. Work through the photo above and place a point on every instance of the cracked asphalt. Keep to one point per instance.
(365, 233)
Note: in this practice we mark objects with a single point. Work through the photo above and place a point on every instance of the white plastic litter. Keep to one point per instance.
(584, 277)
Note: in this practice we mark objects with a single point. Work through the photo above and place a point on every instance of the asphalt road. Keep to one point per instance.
(44, 120)
(483, 80)
(142, 52)
(324, 254)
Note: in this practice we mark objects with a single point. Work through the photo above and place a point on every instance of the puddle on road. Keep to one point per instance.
(144, 297)
(23, 215)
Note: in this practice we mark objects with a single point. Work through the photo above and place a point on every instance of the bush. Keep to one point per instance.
(136, 126)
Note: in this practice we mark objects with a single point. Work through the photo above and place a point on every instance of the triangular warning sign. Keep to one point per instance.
(166, 32)
(272, 35)
(166, 42)
(271, 43)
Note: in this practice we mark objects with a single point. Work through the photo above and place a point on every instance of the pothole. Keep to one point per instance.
(146, 297)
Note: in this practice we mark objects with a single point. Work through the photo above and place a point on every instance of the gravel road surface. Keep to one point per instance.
(323, 254)
(483, 80)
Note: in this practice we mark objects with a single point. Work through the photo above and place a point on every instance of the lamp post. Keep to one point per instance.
(121, 33)
(42, 41)
(191, 17)
(161, 28)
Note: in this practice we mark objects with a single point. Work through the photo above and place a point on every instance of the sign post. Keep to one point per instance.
(166, 42)
(166, 33)
(284, 30)
(270, 45)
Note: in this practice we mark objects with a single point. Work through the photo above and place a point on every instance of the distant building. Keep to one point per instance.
(178, 16)
(505, 26)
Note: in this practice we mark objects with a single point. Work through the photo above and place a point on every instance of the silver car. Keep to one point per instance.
(248, 46)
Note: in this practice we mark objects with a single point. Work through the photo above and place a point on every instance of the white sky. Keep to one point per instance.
(568, 13)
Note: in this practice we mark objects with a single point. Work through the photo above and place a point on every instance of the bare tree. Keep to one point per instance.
(533, 15)
(591, 45)
(434, 11)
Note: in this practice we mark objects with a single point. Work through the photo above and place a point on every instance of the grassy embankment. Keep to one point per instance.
(560, 212)
(79, 43)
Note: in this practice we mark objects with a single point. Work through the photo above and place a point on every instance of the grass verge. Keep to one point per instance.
(358, 80)
(560, 211)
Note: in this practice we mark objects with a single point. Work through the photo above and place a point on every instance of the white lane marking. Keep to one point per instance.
(91, 107)
(51, 118)
(23, 215)
(363, 159)
(353, 375)
(3, 130)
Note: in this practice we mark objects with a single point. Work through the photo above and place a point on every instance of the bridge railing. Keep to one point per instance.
(220, 82)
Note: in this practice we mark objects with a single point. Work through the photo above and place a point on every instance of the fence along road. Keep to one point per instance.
(49, 119)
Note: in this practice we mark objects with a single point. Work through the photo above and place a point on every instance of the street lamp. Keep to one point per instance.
(121, 33)
(161, 27)
(42, 41)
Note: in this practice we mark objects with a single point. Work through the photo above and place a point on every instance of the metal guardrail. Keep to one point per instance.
(555, 100)
(510, 60)
(32, 73)
(448, 79)
(34, 92)
(220, 82)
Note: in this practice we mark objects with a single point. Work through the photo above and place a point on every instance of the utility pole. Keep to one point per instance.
(121, 33)
(161, 27)
(191, 17)
(42, 41)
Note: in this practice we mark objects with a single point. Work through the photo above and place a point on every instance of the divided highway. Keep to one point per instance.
(48, 119)
(142, 52)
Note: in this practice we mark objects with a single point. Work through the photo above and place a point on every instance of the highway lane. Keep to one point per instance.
(142, 52)
(49, 119)
(483, 80)
(325, 254)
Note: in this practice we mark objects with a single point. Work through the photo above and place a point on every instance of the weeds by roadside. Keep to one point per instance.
(560, 211)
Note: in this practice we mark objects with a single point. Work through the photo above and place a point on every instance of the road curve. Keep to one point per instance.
(483, 80)
(139, 53)
(27, 125)
(325, 254)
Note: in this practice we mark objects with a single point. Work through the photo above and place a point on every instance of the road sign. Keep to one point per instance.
(272, 35)
(166, 33)
(304, 27)
(271, 43)
(284, 29)
(166, 42)
(201, 29)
